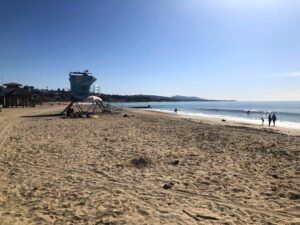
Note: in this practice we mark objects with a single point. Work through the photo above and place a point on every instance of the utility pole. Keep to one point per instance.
(3, 91)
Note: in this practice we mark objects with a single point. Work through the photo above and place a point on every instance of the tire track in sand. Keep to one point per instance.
(278, 214)
(5, 134)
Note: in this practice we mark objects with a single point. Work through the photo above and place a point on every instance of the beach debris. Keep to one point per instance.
(140, 162)
(34, 189)
(236, 190)
(168, 185)
(294, 196)
(92, 116)
(223, 120)
(175, 162)
(125, 115)
(207, 217)
(191, 215)
(196, 217)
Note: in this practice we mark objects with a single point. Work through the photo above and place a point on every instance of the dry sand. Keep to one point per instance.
(83, 171)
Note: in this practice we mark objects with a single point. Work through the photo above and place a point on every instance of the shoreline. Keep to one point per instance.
(288, 116)
(228, 121)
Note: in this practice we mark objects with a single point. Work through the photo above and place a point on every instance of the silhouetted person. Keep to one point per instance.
(270, 119)
(274, 119)
(262, 121)
(175, 110)
(70, 112)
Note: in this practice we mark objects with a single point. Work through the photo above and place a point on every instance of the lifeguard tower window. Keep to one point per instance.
(84, 88)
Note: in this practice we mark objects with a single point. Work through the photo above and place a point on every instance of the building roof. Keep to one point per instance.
(12, 84)
(18, 92)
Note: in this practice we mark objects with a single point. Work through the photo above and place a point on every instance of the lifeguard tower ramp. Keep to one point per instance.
(80, 83)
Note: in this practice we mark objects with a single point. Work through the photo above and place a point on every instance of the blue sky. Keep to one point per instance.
(217, 49)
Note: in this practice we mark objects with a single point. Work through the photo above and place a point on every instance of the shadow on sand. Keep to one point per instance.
(44, 115)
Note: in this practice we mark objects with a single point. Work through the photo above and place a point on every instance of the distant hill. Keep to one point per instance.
(148, 98)
(186, 98)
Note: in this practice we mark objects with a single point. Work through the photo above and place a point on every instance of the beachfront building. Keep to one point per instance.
(12, 86)
(12, 95)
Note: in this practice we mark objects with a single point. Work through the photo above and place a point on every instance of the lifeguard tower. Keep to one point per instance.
(80, 83)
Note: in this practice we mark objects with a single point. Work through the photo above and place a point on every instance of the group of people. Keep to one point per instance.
(271, 117)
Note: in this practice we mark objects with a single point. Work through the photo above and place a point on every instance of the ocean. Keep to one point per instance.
(287, 112)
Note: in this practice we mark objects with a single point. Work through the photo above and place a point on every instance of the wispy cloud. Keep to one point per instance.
(293, 74)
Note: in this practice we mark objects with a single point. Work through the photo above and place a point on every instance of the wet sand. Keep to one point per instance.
(144, 168)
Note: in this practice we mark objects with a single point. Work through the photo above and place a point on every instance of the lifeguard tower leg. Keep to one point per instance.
(80, 110)
(69, 106)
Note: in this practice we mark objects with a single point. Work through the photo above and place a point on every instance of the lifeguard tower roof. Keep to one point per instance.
(80, 84)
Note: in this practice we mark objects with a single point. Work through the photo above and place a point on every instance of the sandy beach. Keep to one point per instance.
(137, 167)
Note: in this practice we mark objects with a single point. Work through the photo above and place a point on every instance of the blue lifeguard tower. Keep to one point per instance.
(80, 83)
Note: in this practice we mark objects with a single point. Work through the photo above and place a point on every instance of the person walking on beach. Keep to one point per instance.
(274, 119)
(262, 121)
(175, 110)
(270, 119)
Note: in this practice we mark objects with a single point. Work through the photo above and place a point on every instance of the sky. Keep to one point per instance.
(214, 49)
